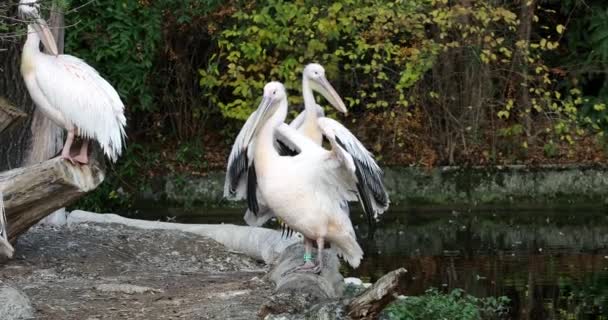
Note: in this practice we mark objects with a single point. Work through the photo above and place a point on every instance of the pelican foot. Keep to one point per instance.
(68, 158)
(82, 159)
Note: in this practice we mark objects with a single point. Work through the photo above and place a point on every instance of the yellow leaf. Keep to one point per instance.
(560, 28)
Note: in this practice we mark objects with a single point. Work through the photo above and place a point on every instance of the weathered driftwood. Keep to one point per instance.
(9, 114)
(369, 304)
(258, 243)
(31, 193)
(329, 284)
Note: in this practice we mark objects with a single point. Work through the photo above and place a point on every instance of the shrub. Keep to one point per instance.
(456, 305)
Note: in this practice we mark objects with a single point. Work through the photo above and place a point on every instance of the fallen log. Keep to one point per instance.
(31, 193)
(9, 114)
(369, 304)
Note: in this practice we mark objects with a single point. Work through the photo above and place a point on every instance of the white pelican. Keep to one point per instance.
(240, 179)
(309, 192)
(70, 92)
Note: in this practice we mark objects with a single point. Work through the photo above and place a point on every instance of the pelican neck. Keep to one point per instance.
(32, 42)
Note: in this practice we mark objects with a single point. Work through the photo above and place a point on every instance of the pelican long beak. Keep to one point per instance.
(45, 35)
(323, 87)
(261, 115)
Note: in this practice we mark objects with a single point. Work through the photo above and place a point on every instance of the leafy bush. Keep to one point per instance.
(465, 70)
(147, 49)
(456, 305)
(376, 50)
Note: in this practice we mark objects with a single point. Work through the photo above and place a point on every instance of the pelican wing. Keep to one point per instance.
(237, 181)
(360, 162)
(235, 185)
(241, 179)
(86, 100)
(335, 172)
(293, 139)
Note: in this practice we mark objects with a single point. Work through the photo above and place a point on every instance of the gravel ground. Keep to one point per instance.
(95, 271)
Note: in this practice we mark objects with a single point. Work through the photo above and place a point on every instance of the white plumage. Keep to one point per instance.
(239, 178)
(71, 93)
(85, 99)
(310, 191)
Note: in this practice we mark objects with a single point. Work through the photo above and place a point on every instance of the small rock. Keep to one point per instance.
(353, 281)
(14, 304)
(58, 218)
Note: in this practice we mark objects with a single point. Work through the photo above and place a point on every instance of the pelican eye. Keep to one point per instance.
(274, 92)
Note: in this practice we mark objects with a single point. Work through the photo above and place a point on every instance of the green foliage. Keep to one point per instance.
(470, 68)
(456, 305)
(376, 49)
(122, 39)
(587, 58)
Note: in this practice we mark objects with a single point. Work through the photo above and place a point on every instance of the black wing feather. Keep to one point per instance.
(252, 197)
(237, 169)
(284, 150)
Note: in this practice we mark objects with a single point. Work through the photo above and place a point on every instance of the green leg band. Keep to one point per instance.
(307, 257)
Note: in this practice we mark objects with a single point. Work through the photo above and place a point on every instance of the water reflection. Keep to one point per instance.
(551, 264)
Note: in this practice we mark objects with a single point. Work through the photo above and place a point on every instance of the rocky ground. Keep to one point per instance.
(95, 271)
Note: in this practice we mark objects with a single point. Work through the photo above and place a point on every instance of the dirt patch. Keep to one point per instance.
(115, 272)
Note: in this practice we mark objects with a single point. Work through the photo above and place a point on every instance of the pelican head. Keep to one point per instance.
(318, 82)
(29, 10)
(274, 93)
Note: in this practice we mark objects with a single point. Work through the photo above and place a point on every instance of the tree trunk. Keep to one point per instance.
(526, 16)
(15, 140)
(37, 138)
(31, 193)
(9, 114)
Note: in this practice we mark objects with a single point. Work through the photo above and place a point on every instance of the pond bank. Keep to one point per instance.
(109, 271)
(508, 186)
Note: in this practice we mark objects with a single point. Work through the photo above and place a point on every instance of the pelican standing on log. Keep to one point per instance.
(310, 191)
(240, 175)
(70, 92)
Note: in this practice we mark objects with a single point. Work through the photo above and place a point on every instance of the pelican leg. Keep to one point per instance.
(83, 156)
(65, 153)
(320, 247)
(308, 265)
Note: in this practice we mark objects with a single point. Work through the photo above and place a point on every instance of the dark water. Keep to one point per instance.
(551, 264)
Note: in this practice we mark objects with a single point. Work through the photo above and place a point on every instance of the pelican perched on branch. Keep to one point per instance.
(70, 92)
(309, 192)
(241, 177)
